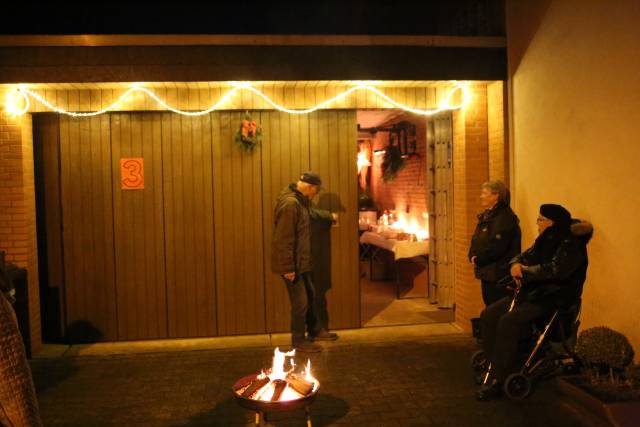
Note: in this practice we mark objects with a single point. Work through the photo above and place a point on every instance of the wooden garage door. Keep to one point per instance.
(138, 263)
(87, 223)
(189, 255)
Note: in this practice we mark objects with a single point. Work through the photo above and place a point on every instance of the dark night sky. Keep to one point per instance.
(444, 17)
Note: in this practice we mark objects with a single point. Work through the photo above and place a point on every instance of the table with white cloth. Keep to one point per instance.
(374, 243)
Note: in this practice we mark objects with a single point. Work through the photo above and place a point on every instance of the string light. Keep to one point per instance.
(12, 102)
(25, 94)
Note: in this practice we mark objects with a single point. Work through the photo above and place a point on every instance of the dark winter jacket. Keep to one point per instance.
(555, 267)
(495, 242)
(321, 222)
(291, 242)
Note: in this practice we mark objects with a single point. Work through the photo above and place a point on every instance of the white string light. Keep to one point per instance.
(25, 93)
(12, 103)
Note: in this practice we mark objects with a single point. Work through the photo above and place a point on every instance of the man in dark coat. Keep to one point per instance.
(551, 275)
(291, 255)
(495, 241)
(321, 222)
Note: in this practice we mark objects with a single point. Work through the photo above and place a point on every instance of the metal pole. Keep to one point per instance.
(306, 409)
(259, 419)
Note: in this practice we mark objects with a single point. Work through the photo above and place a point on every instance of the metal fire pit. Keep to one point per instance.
(261, 407)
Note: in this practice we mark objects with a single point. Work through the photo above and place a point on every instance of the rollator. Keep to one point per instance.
(549, 348)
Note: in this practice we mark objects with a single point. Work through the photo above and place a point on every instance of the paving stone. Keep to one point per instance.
(396, 384)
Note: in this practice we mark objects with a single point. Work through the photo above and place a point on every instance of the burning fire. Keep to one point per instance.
(402, 225)
(278, 372)
(410, 227)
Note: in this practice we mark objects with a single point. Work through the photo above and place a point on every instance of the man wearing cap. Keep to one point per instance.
(291, 255)
(551, 274)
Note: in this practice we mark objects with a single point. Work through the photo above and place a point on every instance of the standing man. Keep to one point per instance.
(291, 255)
(321, 222)
(495, 241)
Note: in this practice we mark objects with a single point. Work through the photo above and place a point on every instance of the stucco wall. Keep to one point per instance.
(575, 122)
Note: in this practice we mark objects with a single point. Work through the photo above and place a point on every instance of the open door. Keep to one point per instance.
(440, 182)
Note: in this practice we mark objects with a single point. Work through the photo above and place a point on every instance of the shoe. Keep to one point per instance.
(488, 391)
(323, 335)
(307, 347)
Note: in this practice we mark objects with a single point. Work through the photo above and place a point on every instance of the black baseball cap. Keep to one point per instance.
(311, 178)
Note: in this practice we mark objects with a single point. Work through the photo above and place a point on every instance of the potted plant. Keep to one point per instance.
(609, 385)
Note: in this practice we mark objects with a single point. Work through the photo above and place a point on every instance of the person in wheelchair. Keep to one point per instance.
(548, 276)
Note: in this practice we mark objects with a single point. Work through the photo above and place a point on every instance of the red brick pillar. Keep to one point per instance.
(470, 170)
(18, 207)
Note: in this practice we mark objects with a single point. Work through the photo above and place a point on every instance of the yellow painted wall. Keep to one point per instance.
(575, 135)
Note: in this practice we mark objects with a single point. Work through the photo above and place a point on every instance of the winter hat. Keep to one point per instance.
(556, 213)
(311, 178)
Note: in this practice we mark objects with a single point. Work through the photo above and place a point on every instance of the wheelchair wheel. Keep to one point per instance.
(479, 362)
(517, 386)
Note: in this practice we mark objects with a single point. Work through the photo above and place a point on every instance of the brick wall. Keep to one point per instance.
(498, 150)
(470, 170)
(17, 207)
(408, 191)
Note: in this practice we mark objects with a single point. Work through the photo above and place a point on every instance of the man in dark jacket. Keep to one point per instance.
(551, 275)
(291, 255)
(495, 241)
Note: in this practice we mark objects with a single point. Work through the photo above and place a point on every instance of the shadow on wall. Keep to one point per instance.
(82, 332)
(535, 11)
(331, 202)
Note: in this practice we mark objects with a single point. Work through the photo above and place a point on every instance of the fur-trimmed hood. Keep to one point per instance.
(581, 229)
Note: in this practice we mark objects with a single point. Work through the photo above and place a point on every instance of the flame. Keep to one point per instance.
(277, 369)
(410, 227)
(307, 372)
(289, 394)
(277, 372)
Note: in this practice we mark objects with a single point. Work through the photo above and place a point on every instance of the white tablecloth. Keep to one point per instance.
(400, 248)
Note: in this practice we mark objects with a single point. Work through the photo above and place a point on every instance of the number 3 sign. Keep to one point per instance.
(132, 173)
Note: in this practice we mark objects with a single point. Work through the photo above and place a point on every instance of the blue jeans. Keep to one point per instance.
(301, 297)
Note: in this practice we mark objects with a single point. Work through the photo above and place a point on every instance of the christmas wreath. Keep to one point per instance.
(392, 163)
(249, 134)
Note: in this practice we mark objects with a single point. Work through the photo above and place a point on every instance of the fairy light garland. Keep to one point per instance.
(26, 94)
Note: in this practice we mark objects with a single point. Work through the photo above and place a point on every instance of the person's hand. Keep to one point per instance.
(516, 271)
(289, 276)
(474, 259)
(334, 216)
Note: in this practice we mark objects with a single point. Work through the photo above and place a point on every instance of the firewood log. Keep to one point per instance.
(244, 382)
(299, 384)
(279, 388)
(254, 387)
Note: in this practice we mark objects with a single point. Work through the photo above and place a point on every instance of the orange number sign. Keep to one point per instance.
(132, 173)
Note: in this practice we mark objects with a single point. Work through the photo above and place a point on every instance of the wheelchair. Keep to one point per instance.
(549, 349)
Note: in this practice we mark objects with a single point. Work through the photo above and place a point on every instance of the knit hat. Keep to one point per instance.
(556, 213)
